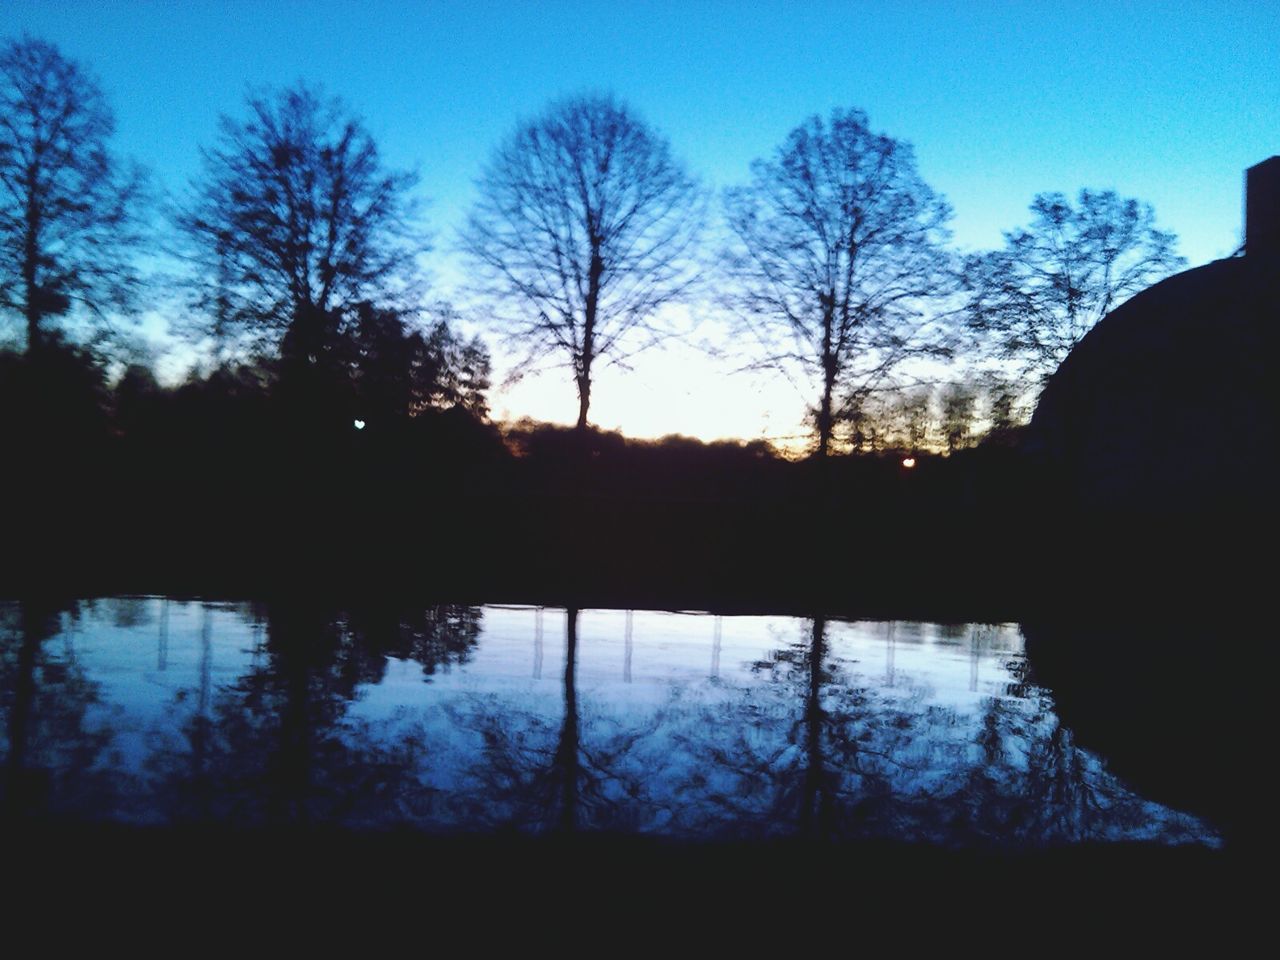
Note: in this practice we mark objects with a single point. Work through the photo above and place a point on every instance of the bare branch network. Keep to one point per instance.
(1054, 280)
(296, 214)
(69, 209)
(582, 233)
(839, 252)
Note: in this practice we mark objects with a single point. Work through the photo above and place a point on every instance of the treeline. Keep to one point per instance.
(423, 405)
(237, 483)
(301, 256)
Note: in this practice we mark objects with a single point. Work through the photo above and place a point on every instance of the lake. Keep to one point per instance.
(506, 720)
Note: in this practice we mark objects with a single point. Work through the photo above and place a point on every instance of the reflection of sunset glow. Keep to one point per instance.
(908, 462)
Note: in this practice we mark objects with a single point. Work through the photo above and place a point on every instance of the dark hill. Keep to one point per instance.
(1167, 404)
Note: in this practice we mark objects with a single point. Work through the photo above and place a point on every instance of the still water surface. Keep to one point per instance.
(489, 719)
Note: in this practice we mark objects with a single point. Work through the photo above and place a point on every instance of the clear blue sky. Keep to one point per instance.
(1165, 102)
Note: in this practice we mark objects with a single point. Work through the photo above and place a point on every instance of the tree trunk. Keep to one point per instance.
(584, 401)
(825, 418)
(815, 807)
(30, 255)
(566, 756)
(594, 274)
(294, 631)
(24, 790)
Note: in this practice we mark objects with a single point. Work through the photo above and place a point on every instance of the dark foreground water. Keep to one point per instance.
(458, 719)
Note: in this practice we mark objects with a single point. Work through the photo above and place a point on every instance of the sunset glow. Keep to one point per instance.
(440, 85)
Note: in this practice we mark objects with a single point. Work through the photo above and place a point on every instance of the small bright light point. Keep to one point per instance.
(908, 462)
(359, 424)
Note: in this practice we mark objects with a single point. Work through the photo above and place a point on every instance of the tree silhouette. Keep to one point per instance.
(958, 404)
(52, 750)
(296, 220)
(280, 746)
(1055, 279)
(68, 206)
(401, 368)
(839, 245)
(901, 419)
(586, 771)
(581, 232)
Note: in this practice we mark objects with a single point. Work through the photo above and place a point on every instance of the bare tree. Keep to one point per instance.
(1035, 299)
(296, 220)
(582, 232)
(839, 249)
(68, 207)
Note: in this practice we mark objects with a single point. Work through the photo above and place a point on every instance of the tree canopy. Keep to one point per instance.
(838, 250)
(297, 218)
(1055, 279)
(69, 208)
(401, 368)
(582, 233)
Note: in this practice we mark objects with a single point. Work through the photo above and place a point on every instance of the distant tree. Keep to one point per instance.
(839, 249)
(914, 419)
(457, 371)
(958, 407)
(1034, 300)
(901, 419)
(69, 208)
(295, 220)
(137, 394)
(864, 430)
(1002, 407)
(582, 232)
(401, 369)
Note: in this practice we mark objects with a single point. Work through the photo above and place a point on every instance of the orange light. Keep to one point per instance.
(908, 462)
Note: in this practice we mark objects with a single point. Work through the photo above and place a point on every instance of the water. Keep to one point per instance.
(490, 719)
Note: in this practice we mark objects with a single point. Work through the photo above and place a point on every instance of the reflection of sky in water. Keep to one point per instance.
(687, 725)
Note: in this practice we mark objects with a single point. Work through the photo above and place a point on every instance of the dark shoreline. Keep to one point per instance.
(636, 888)
(665, 557)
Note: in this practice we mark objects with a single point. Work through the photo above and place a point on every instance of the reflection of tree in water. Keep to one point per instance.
(278, 745)
(52, 754)
(820, 773)
(812, 745)
(588, 772)
(438, 637)
(855, 762)
(127, 613)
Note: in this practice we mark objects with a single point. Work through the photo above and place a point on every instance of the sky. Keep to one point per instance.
(1165, 102)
